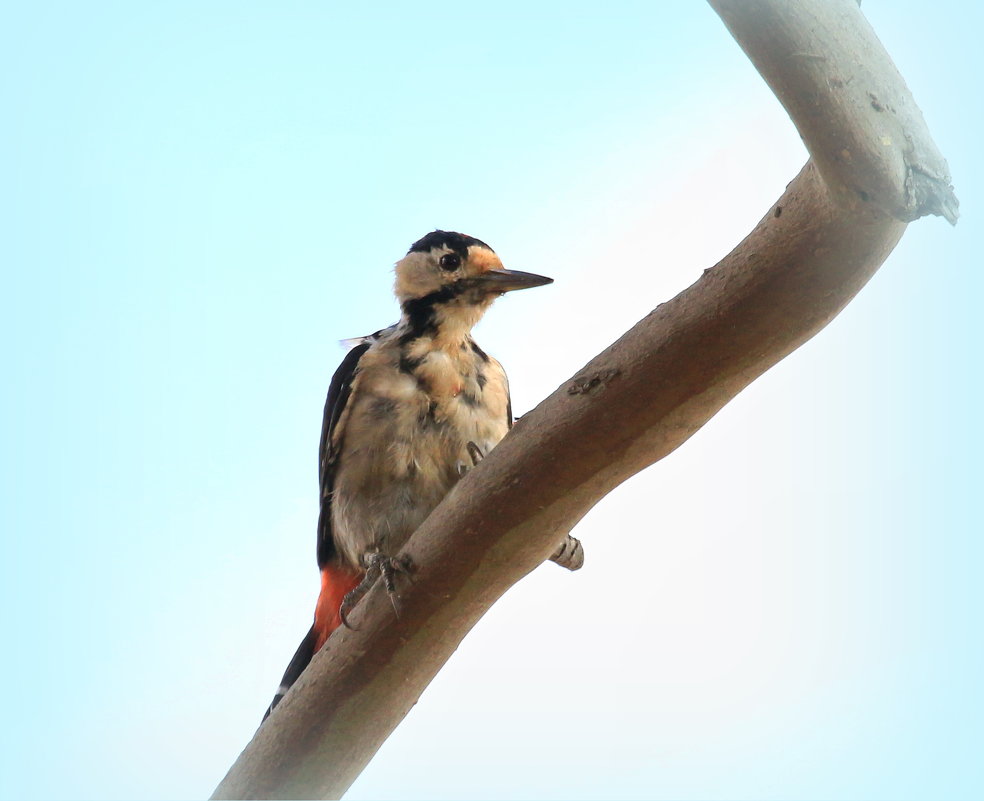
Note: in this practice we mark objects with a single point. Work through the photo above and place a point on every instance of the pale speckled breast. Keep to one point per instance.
(403, 437)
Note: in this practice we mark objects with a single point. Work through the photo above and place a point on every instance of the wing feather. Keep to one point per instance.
(338, 395)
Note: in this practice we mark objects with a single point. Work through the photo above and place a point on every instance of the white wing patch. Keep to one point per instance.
(354, 342)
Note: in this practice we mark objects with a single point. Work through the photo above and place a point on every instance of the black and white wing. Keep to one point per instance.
(338, 395)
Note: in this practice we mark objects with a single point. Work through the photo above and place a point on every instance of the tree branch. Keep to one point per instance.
(873, 166)
(863, 130)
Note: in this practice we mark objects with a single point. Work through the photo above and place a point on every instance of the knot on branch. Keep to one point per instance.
(588, 385)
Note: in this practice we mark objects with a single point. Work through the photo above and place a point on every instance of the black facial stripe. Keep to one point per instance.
(421, 312)
(453, 241)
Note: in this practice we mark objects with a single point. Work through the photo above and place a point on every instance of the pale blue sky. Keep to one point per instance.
(200, 200)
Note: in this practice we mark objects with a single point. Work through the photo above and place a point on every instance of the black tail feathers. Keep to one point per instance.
(302, 657)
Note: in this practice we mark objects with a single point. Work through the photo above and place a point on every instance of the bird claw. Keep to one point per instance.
(475, 452)
(569, 554)
(377, 565)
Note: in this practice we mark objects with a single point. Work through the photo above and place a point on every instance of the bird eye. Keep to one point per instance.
(450, 261)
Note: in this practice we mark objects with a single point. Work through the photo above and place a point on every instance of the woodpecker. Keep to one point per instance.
(411, 408)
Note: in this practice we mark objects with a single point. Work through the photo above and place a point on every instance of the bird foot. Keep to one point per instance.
(475, 452)
(570, 554)
(476, 455)
(377, 565)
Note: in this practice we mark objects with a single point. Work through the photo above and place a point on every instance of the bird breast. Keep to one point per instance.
(403, 442)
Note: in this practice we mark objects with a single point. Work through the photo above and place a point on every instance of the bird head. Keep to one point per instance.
(447, 281)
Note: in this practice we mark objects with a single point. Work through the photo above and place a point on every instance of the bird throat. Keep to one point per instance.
(445, 317)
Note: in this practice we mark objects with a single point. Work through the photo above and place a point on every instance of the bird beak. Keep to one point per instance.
(508, 280)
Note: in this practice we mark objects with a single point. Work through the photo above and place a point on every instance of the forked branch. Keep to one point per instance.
(873, 168)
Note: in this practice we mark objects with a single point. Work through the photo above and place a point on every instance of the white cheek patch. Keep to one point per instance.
(413, 276)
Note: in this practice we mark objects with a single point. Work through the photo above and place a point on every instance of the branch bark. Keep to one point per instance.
(873, 168)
